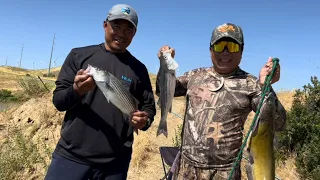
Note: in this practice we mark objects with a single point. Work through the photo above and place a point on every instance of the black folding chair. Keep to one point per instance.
(169, 155)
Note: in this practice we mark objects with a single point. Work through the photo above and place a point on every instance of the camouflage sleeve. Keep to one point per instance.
(181, 83)
(272, 108)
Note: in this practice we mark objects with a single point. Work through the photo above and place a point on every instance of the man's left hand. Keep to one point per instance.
(139, 119)
(266, 70)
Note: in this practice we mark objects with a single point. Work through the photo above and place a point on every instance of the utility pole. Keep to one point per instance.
(54, 62)
(21, 57)
(6, 61)
(54, 36)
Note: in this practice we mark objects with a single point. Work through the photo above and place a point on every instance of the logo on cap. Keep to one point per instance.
(225, 28)
(125, 10)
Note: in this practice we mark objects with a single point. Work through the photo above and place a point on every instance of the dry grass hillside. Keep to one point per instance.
(40, 125)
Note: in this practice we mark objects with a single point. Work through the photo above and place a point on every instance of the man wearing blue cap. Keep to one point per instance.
(96, 138)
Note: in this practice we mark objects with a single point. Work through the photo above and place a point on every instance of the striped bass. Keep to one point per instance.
(114, 91)
(167, 70)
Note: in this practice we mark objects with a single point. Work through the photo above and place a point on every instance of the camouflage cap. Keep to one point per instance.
(227, 30)
(123, 11)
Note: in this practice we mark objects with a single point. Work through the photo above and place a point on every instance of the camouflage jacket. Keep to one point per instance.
(215, 114)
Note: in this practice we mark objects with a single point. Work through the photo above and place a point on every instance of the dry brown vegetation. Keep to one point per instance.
(40, 123)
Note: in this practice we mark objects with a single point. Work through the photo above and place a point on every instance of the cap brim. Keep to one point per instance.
(124, 18)
(225, 36)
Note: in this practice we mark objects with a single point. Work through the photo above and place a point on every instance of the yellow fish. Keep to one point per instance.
(261, 150)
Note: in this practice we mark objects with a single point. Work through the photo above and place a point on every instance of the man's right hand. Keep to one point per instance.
(83, 83)
(165, 48)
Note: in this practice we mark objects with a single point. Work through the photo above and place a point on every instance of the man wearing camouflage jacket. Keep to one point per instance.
(219, 99)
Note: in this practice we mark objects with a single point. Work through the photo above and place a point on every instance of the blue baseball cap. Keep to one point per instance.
(123, 11)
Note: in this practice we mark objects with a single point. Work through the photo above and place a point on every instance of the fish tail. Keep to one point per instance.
(249, 172)
(162, 128)
(170, 109)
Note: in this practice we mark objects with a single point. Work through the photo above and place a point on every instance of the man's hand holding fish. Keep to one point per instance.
(83, 83)
(266, 69)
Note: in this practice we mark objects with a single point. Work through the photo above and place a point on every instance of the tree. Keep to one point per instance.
(302, 135)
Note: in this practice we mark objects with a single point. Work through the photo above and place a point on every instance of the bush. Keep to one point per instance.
(177, 137)
(33, 86)
(19, 155)
(50, 75)
(13, 68)
(302, 135)
(6, 95)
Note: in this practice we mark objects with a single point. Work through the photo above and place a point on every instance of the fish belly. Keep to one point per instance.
(112, 97)
(167, 87)
(167, 93)
(262, 154)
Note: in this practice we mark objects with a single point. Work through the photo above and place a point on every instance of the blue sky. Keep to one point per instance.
(285, 29)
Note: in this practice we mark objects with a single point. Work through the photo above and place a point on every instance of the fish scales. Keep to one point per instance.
(124, 96)
(168, 67)
(114, 91)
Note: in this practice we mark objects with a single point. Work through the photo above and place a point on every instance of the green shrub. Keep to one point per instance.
(302, 135)
(50, 75)
(13, 68)
(6, 95)
(32, 86)
(19, 155)
(177, 137)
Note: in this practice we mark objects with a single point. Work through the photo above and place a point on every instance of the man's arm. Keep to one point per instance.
(147, 102)
(271, 108)
(64, 95)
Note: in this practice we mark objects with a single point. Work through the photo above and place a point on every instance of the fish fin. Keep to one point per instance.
(252, 134)
(255, 128)
(275, 143)
(170, 109)
(162, 128)
(135, 100)
(247, 147)
(159, 102)
(100, 85)
(249, 172)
